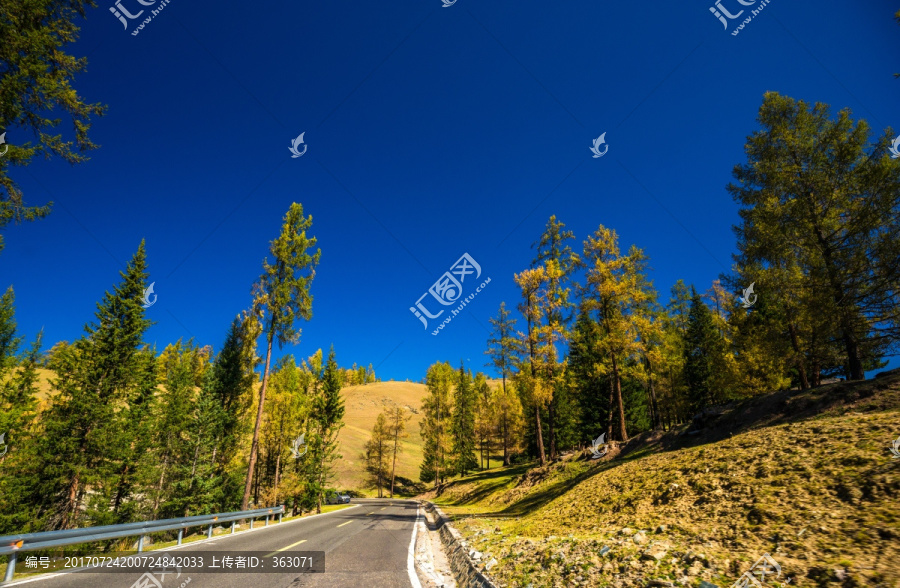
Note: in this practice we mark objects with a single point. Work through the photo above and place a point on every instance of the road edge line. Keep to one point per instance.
(410, 555)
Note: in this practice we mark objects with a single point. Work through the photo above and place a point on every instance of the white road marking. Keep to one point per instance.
(410, 556)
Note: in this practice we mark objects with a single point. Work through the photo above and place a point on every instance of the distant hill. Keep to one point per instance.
(363, 404)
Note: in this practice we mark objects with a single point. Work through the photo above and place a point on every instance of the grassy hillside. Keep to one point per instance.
(363, 403)
(804, 476)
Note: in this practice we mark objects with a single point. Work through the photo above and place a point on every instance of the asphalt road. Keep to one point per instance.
(366, 546)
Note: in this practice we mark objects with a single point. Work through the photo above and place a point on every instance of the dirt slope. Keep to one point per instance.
(807, 477)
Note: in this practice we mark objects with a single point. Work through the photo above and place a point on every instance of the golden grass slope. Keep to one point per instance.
(362, 405)
(807, 477)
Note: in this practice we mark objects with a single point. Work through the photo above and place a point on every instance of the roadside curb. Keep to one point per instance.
(466, 570)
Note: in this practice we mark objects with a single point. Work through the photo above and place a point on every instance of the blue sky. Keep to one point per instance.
(431, 132)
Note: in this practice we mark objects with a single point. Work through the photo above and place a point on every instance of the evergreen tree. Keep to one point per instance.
(485, 418)
(36, 86)
(817, 196)
(590, 386)
(326, 417)
(229, 387)
(463, 423)
(704, 352)
(615, 291)
(81, 434)
(435, 424)
(504, 350)
(558, 261)
(283, 291)
(377, 454)
(535, 394)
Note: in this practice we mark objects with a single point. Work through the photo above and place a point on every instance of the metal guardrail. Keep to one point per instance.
(11, 545)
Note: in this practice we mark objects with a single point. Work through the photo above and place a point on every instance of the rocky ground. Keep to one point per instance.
(807, 477)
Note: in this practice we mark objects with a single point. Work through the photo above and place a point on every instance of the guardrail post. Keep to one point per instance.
(180, 535)
(10, 567)
(209, 532)
(140, 543)
(267, 520)
(232, 527)
(279, 516)
(251, 522)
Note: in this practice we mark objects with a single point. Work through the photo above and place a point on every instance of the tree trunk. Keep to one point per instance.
(848, 334)
(551, 423)
(505, 440)
(540, 436)
(277, 475)
(254, 447)
(801, 364)
(394, 464)
(619, 404)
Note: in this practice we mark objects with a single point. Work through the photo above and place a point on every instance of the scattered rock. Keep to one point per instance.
(640, 538)
(604, 550)
(490, 564)
(840, 574)
(696, 569)
(660, 584)
(627, 531)
(662, 528)
(657, 551)
(705, 584)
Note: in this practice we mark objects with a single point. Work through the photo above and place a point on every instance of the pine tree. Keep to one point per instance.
(535, 394)
(229, 386)
(485, 419)
(504, 350)
(285, 419)
(815, 194)
(283, 291)
(377, 454)
(704, 352)
(590, 385)
(615, 292)
(397, 419)
(558, 262)
(326, 416)
(435, 424)
(463, 423)
(36, 86)
(80, 439)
